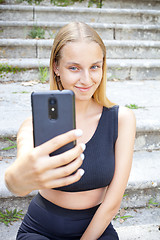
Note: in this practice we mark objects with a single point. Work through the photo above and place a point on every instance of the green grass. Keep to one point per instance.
(9, 147)
(5, 68)
(20, 92)
(133, 106)
(7, 217)
(153, 203)
(37, 32)
(65, 3)
(37, 2)
(125, 217)
(43, 74)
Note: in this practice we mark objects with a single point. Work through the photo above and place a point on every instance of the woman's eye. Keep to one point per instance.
(94, 67)
(73, 68)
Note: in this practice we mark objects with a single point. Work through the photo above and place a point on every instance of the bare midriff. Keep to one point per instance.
(75, 200)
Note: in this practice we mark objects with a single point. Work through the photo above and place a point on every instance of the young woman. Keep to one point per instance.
(81, 205)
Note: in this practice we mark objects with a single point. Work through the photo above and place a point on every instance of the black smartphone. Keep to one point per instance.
(53, 113)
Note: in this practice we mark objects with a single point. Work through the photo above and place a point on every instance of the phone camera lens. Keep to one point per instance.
(52, 101)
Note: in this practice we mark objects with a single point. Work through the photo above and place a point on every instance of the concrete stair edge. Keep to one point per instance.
(140, 178)
(78, 9)
(49, 42)
(94, 25)
(36, 63)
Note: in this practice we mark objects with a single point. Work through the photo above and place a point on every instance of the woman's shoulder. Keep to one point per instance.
(126, 116)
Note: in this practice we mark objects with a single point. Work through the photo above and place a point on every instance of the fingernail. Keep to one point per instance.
(78, 132)
(81, 171)
(83, 146)
(82, 156)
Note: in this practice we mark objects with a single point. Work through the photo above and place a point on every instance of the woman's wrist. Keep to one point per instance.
(9, 182)
(10, 179)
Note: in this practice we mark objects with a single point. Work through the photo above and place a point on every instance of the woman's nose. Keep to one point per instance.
(86, 79)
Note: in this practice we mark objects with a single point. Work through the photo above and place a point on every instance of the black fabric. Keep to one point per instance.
(99, 162)
(46, 221)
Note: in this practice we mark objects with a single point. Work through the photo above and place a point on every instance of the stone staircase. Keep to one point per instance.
(131, 32)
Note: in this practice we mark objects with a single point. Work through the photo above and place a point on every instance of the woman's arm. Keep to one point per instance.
(33, 169)
(123, 160)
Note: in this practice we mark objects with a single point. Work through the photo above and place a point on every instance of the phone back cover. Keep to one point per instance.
(45, 128)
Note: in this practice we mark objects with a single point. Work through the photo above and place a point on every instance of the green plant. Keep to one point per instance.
(125, 217)
(20, 92)
(63, 3)
(5, 68)
(9, 147)
(37, 2)
(152, 203)
(8, 217)
(98, 3)
(125, 195)
(133, 106)
(37, 32)
(43, 74)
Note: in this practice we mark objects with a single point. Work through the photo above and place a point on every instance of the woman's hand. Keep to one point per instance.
(34, 169)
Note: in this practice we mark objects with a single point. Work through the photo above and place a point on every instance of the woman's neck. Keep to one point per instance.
(83, 107)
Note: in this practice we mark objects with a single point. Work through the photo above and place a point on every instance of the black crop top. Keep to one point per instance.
(99, 161)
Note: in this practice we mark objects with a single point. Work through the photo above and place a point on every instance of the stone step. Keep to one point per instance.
(16, 107)
(144, 223)
(26, 69)
(61, 14)
(116, 49)
(146, 231)
(108, 31)
(141, 200)
(143, 4)
(143, 185)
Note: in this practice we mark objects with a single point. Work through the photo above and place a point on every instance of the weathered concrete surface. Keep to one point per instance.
(143, 185)
(147, 232)
(15, 102)
(116, 49)
(101, 15)
(15, 106)
(117, 69)
(144, 224)
(143, 4)
(110, 31)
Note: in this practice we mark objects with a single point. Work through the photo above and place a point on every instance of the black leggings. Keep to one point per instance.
(46, 221)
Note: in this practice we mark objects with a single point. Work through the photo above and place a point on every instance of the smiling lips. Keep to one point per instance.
(84, 89)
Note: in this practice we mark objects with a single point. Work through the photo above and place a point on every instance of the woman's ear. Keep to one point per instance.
(55, 68)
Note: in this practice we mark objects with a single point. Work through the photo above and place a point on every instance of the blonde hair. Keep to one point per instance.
(73, 32)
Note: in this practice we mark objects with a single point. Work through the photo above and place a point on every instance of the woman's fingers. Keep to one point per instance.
(57, 142)
(67, 157)
(66, 180)
(60, 172)
(46, 163)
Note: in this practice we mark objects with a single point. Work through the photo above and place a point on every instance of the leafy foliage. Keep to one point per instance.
(43, 74)
(9, 147)
(5, 68)
(7, 217)
(64, 3)
(37, 32)
(133, 106)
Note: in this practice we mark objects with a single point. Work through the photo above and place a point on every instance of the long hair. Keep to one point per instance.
(74, 32)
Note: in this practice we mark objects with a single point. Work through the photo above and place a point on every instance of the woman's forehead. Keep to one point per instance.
(80, 49)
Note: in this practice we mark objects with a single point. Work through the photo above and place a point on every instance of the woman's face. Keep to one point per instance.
(80, 68)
